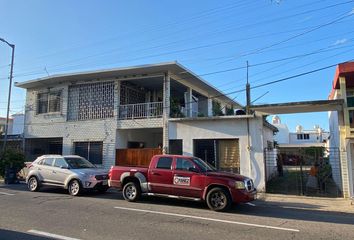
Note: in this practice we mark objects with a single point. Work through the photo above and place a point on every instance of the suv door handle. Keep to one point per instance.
(54, 171)
(155, 173)
(39, 169)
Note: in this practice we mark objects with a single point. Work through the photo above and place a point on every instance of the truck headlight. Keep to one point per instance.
(240, 185)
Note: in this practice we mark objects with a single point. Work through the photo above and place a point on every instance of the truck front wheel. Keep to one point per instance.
(131, 192)
(218, 199)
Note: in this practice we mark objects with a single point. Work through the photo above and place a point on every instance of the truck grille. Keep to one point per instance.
(101, 177)
(249, 185)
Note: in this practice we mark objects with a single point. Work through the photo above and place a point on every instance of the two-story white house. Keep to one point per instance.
(126, 115)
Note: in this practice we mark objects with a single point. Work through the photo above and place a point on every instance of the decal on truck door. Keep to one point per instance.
(184, 181)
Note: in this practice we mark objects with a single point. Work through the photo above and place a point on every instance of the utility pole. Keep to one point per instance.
(248, 94)
(10, 88)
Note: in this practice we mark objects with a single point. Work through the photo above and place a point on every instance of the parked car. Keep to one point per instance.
(183, 177)
(72, 172)
(22, 174)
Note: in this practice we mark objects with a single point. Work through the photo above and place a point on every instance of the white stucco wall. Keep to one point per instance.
(150, 137)
(251, 161)
(282, 136)
(313, 137)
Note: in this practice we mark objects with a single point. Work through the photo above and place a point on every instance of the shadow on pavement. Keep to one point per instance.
(269, 209)
(14, 235)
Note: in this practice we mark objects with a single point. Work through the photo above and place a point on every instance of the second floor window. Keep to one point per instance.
(304, 136)
(48, 102)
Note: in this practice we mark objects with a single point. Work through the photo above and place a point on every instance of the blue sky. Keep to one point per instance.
(206, 36)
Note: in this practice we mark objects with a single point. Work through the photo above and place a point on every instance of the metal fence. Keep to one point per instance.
(140, 110)
(309, 171)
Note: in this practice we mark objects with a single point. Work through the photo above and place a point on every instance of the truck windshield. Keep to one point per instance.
(76, 162)
(204, 167)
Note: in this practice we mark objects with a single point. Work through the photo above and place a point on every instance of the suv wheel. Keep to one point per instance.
(74, 188)
(131, 192)
(33, 184)
(218, 199)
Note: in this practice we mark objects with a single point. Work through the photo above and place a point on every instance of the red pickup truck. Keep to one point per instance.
(183, 177)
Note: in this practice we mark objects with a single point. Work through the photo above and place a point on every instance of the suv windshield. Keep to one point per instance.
(204, 167)
(76, 162)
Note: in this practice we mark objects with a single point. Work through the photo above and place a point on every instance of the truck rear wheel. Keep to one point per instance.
(218, 199)
(131, 192)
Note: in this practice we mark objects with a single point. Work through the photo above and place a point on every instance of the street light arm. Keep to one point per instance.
(3, 40)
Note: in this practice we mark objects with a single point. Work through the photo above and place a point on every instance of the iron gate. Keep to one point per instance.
(309, 171)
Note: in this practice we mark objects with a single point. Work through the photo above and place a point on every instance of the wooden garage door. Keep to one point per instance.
(229, 155)
(136, 156)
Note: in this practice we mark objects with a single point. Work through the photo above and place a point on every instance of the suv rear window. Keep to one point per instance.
(164, 163)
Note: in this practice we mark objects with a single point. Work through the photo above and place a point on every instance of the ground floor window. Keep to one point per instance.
(92, 151)
(35, 147)
(176, 146)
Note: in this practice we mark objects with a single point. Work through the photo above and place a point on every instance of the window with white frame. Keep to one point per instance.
(48, 102)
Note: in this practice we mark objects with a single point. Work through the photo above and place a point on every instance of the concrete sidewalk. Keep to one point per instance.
(340, 205)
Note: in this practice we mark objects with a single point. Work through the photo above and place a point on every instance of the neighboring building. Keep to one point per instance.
(342, 123)
(282, 136)
(124, 115)
(18, 123)
(317, 137)
(3, 125)
(14, 132)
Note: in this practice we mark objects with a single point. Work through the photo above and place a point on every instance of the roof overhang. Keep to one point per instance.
(130, 72)
(299, 107)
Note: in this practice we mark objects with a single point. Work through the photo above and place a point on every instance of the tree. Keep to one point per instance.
(217, 109)
(11, 159)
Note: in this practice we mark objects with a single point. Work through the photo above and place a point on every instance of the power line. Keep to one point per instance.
(293, 37)
(183, 50)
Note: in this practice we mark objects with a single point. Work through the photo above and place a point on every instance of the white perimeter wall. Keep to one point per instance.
(252, 163)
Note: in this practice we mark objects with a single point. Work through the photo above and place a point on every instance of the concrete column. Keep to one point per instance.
(166, 113)
(210, 107)
(189, 104)
(343, 93)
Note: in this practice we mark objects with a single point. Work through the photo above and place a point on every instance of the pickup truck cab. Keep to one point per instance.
(184, 177)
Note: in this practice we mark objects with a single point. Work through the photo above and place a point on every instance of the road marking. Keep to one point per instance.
(8, 194)
(51, 235)
(251, 204)
(209, 219)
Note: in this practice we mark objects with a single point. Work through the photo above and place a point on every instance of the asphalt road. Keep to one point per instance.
(52, 213)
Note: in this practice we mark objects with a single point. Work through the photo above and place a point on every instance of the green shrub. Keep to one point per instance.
(11, 158)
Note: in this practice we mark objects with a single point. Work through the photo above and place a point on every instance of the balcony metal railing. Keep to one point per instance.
(140, 110)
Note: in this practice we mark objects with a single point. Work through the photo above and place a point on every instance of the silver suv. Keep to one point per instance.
(72, 172)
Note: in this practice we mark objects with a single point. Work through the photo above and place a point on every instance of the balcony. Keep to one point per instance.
(140, 111)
